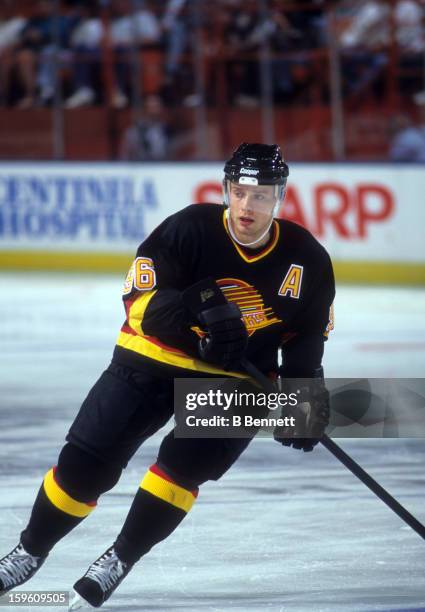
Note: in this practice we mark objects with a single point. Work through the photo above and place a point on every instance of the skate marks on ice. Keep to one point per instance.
(328, 548)
(282, 531)
(67, 325)
(379, 333)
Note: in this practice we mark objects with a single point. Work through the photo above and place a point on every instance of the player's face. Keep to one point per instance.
(251, 209)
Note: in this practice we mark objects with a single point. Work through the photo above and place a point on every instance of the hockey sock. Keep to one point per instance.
(158, 508)
(54, 514)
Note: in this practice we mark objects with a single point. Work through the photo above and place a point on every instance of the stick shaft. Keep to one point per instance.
(374, 486)
(349, 463)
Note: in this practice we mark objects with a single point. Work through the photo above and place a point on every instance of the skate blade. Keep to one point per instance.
(76, 602)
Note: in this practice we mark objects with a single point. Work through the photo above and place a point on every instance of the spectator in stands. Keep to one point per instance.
(11, 26)
(36, 34)
(179, 24)
(241, 37)
(35, 51)
(56, 55)
(408, 140)
(289, 34)
(148, 138)
(410, 16)
(174, 26)
(129, 31)
(364, 43)
(85, 47)
(371, 24)
(310, 19)
(293, 34)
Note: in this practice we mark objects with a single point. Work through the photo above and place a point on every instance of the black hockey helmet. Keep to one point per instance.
(257, 164)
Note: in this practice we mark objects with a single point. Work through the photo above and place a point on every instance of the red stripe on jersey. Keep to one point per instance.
(171, 349)
(129, 303)
(128, 330)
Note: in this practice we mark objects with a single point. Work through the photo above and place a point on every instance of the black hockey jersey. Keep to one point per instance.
(283, 289)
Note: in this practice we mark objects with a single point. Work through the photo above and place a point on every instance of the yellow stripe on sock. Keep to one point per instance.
(62, 500)
(168, 491)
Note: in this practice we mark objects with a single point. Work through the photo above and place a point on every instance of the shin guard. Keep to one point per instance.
(158, 508)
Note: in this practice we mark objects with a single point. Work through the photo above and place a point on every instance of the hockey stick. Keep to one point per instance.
(349, 463)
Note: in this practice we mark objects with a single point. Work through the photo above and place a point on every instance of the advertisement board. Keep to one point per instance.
(370, 217)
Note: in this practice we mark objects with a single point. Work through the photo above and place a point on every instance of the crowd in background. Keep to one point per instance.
(88, 52)
(74, 35)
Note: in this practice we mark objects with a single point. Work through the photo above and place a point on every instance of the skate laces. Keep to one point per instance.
(106, 570)
(16, 566)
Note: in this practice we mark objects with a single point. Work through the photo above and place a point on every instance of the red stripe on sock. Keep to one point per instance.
(157, 470)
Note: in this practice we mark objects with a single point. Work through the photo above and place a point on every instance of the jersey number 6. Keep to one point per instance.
(144, 274)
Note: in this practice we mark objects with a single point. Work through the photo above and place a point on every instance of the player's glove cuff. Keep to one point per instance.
(311, 413)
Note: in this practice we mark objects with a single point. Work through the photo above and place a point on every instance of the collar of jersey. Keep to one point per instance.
(261, 254)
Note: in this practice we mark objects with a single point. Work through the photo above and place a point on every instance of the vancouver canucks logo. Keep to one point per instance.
(250, 301)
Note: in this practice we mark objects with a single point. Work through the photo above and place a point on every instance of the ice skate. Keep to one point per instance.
(100, 580)
(76, 602)
(17, 567)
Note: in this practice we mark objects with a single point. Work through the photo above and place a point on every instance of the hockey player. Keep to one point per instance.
(210, 287)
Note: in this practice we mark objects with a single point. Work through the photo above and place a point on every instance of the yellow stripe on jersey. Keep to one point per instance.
(62, 500)
(148, 348)
(331, 324)
(137, 310)
(168, 491)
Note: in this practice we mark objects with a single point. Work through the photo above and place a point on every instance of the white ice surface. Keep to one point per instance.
(281, 531)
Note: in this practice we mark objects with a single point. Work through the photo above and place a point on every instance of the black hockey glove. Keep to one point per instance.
(311, 414)
(227, 339)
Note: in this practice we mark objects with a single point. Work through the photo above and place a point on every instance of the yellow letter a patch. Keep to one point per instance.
(292, 282)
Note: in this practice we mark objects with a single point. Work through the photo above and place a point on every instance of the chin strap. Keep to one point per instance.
(245, 244)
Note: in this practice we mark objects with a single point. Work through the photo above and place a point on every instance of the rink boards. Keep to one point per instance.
(78, 217)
